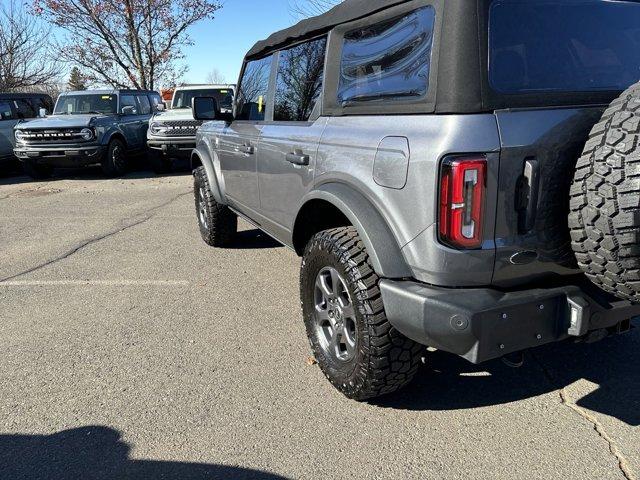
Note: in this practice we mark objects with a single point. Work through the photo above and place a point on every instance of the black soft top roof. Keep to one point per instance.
(459, 76)
(343, 13)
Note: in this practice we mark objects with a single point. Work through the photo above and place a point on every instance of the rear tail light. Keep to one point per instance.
(462, 193)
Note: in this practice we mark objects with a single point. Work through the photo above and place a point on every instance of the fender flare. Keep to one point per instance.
(383, 249)
(205, 159)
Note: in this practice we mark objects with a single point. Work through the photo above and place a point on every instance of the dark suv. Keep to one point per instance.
(452, 173)
(15, 107)
(87, 127)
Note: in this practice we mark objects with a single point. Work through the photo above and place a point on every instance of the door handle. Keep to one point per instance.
(248, 149)
(298, 159)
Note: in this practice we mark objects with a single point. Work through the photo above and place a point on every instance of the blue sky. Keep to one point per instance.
(222, 42)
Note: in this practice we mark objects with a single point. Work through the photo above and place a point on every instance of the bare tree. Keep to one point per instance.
(215, 77)
(309, 8)
(26, 56)
(127, 43)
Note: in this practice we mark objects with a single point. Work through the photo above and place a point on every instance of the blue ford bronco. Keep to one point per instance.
(102, 127)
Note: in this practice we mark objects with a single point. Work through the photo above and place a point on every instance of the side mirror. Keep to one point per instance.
(161, 107)
(205, 109)
(128, 110)
(42, 112)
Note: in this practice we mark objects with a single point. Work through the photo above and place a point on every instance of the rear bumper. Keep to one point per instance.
(61, 156)
(483, 324)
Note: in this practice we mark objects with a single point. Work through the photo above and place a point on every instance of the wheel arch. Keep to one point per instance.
(335, 205)
(200, 158)
(119, 136)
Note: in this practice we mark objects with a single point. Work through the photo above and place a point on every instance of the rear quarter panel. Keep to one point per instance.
(347, 153)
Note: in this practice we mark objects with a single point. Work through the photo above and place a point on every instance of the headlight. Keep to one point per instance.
(86, 134)
(158, 128)
(19, 134)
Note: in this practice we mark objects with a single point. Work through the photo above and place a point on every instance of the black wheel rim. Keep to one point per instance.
(117, 156)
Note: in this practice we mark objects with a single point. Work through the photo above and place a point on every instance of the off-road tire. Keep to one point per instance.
(385, 360)
(605, 200)
(37, 171)
(218, 224)
(160, 163)
(115, 161)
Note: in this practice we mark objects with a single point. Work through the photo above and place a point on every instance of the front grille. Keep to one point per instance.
(65, 135)
(181, 129)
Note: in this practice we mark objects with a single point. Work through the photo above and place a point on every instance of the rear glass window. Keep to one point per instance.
(299, 83)
(583, 45)
(254, 86)
(389, 60)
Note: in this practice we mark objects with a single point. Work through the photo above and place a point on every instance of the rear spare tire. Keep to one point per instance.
(604, 214)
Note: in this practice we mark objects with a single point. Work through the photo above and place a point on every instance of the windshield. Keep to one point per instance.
(556, 45)
(87, 103)
(224, 96)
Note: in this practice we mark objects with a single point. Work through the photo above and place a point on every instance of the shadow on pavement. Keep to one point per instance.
(451, 383)
(97, 453)
(253, 240)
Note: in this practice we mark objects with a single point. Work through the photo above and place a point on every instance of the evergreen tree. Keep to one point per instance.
(77, 80)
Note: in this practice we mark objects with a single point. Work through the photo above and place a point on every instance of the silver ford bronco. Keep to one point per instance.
(460, 174)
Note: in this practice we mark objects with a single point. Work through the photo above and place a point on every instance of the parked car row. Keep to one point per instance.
(101, 127)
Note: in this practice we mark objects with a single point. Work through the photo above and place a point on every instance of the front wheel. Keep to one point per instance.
(218, 224)
(356, 347)
(114, 163)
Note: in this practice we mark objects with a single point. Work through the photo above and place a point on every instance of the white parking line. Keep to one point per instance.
(108, 283)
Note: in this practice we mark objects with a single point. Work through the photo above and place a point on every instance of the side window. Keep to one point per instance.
(145, 106)
(5, 110)
(155, 101)
(299, 81)
(128, 101)
(388, 61)
(254, 86)
(25, 108)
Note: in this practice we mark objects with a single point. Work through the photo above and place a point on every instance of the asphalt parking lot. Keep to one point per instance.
(131, 350)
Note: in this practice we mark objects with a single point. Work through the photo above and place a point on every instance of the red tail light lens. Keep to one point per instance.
(462, 192)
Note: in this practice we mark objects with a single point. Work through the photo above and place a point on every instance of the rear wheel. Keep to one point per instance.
(218, 224)
(356, 347)
(114, 163)
(37, 171)
(605, 200)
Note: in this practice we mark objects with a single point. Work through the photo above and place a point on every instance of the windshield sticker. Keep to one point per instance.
(260, 103)
(106, 97)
